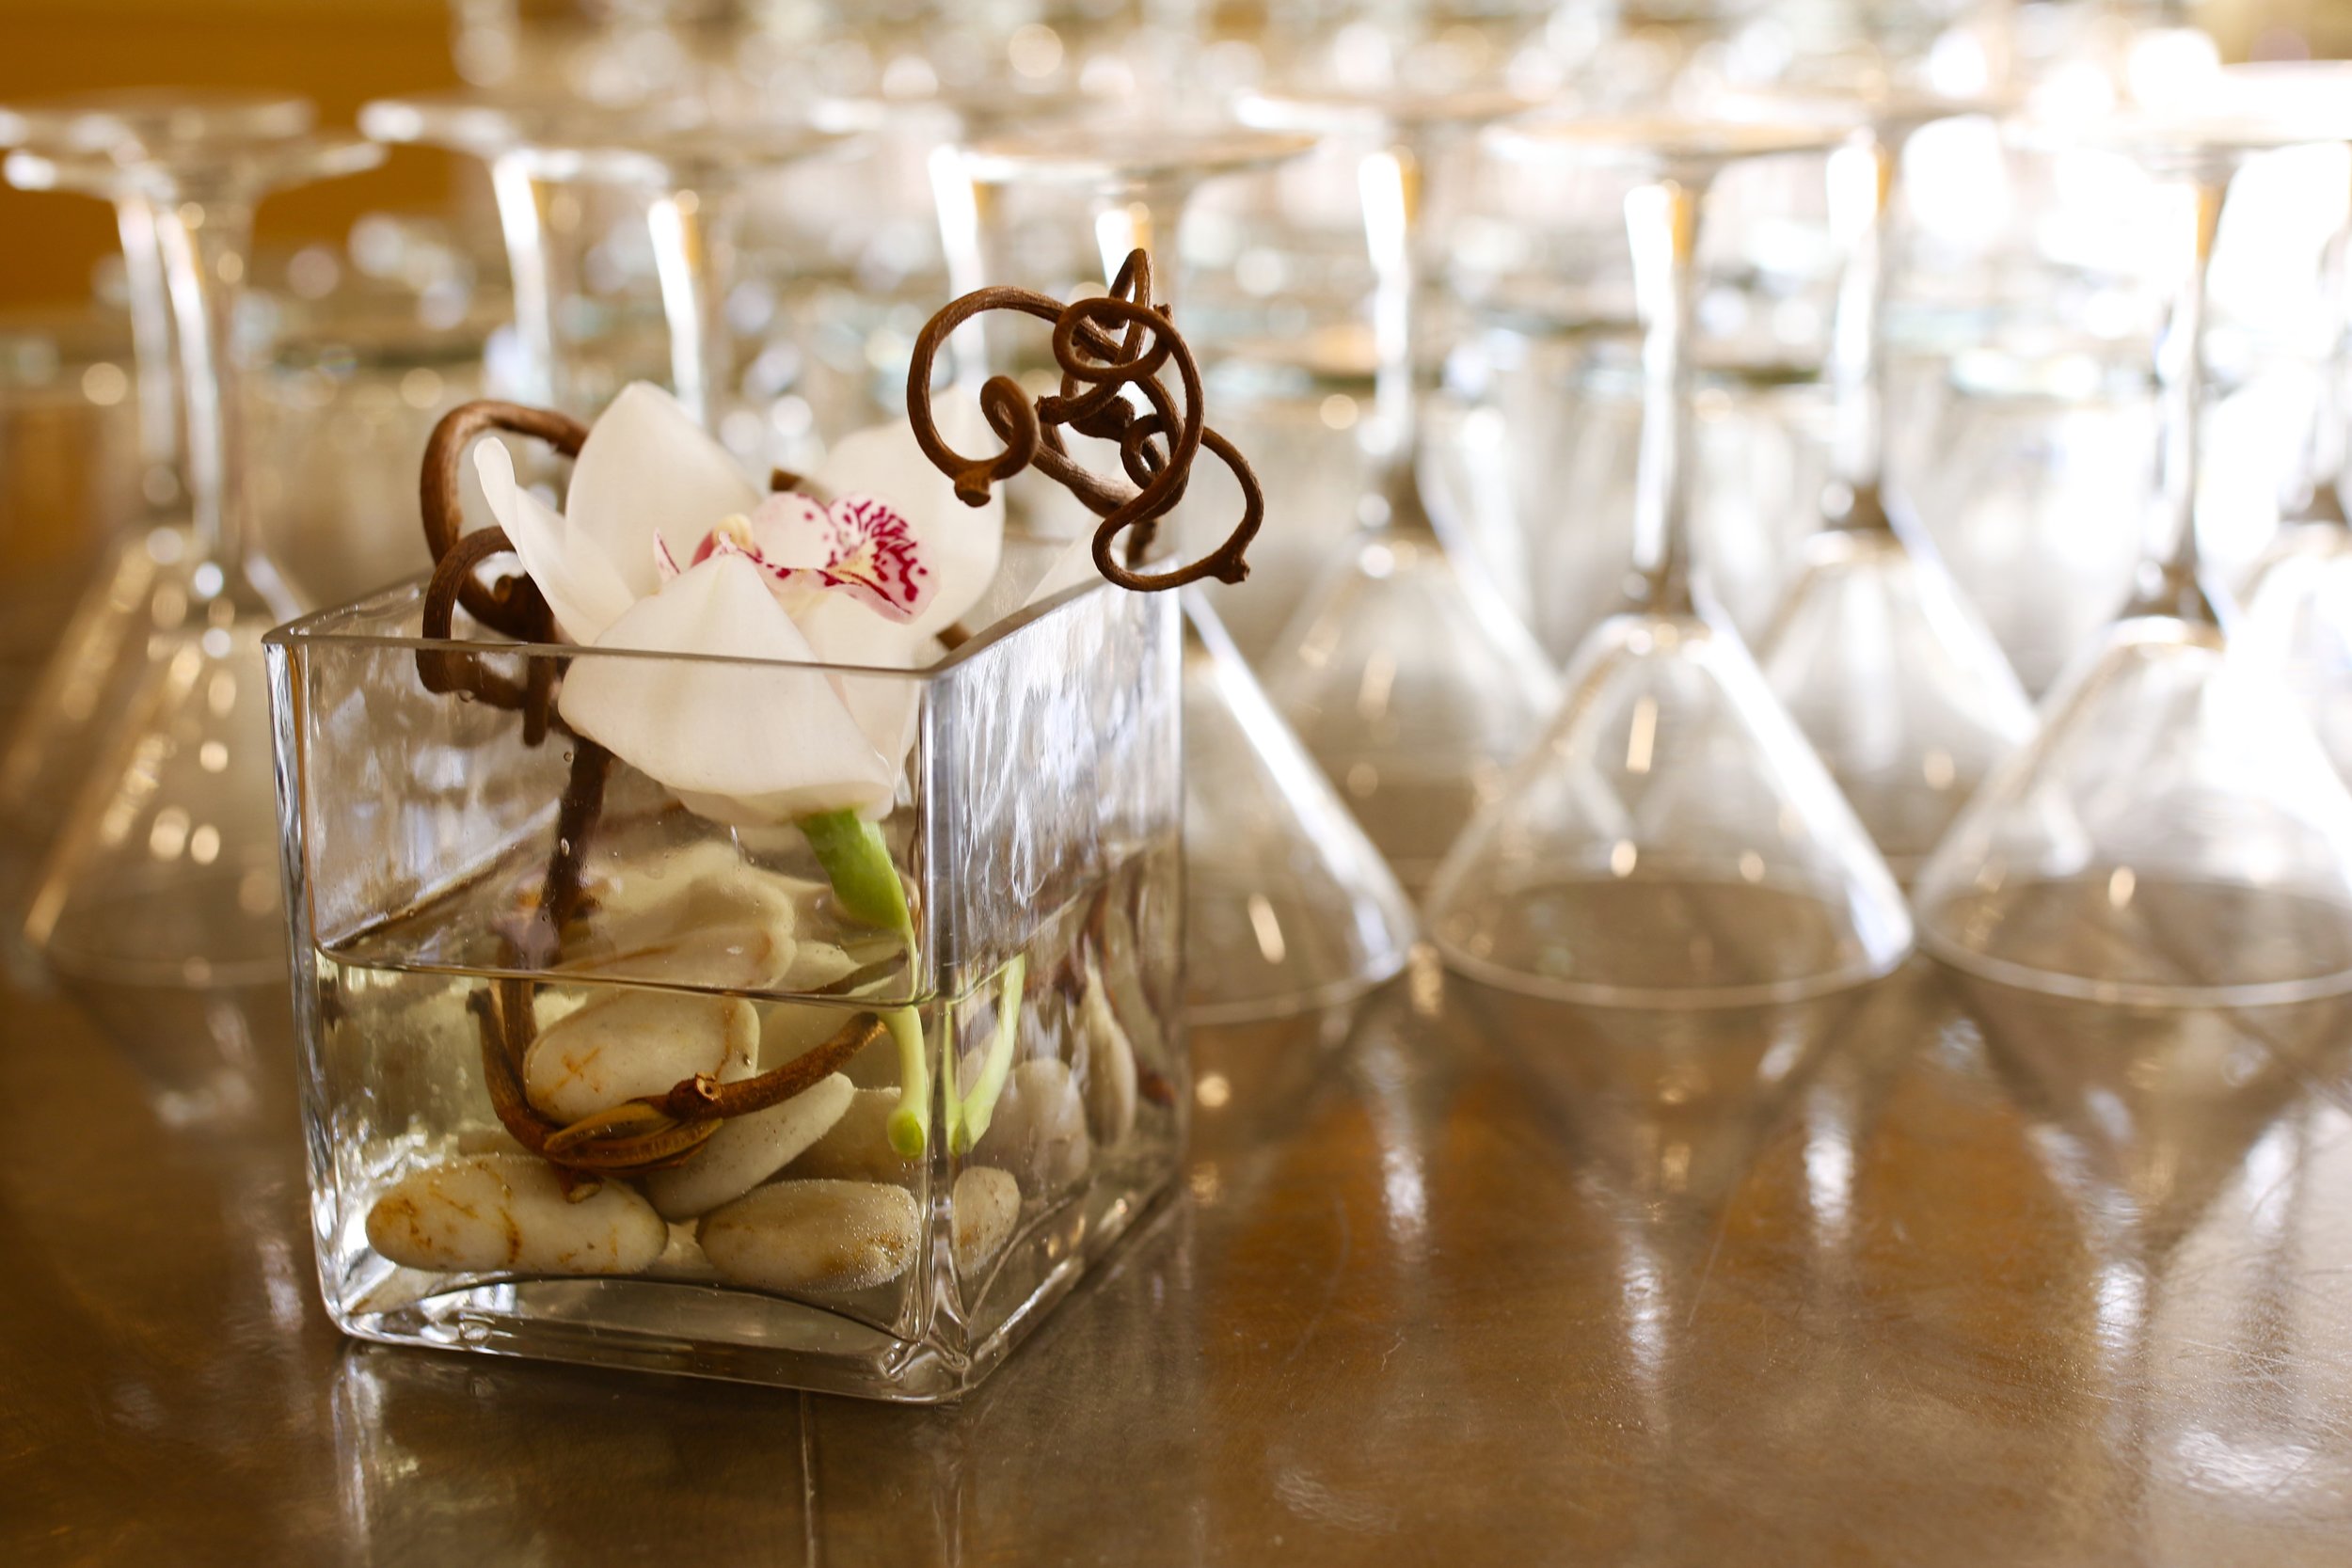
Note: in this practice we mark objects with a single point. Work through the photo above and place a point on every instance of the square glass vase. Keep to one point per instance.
(500, 969)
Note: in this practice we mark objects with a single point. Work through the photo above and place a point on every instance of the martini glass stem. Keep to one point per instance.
(149, 302)
(1662, 221)
(204, 241)
(1391, 184)
(524, 204)
(1145, 214)
(2319, 484)
(1864, 192)
(697, 226)
(2321, 495)
(2170, 584)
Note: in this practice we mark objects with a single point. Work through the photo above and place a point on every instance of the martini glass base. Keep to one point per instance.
(2118, 938)
(1659, 939)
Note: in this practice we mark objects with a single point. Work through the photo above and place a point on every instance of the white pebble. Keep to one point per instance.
(508, 1211)
(698, 915)
(1110, 1065)
(1039, 1131)
(1128, 999)
(857, 1149)
(987, 1201)
(826, 1237)
(749, 1150)
(682, 1259)
(628, 1044)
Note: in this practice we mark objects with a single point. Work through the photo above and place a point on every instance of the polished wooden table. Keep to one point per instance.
(1918, 1276)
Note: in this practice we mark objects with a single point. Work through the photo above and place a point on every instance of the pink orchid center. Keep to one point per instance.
(857, 545)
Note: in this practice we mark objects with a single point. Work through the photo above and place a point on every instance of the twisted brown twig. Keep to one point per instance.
(512, 605)
(1104, 346)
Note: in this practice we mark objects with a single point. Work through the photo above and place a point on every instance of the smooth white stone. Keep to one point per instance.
(683, 1258)
(857, 1149)
(499, 1212)
(733, 955)
(628, 1044)
(1039, 1131)
(986, 1202)
(748, 1151)
(826, 1237)
(700, 916)
(1110, 1065)
(1128, 1002)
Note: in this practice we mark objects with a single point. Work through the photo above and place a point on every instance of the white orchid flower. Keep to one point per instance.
(665, 547)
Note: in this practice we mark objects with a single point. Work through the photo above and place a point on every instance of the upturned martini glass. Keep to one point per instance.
(1405, 670)
(2298, 597)
(698, 174)
(1671, 840)
(165, 874)
(1288, 905)
(2174, 837)
(143, 591)
(535, 147)
(1875, 651)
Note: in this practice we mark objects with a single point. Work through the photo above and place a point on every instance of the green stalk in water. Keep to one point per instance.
(970, 1125)
(909, 1126)
(856, 862)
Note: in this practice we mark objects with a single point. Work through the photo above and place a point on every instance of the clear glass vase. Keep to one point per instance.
(478, 918)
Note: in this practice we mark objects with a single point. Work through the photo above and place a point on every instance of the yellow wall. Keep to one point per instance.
(338, 52)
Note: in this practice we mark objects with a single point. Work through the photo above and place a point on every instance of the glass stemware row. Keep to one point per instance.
(1671, 821)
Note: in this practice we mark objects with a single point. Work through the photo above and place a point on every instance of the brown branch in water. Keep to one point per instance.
(1106, 346)
(704, 1098)
(576, 817)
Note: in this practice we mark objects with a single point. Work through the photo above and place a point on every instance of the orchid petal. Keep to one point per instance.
(648, 472)
(744, 744)
(961, 545)
(877, 558)
(792, 531)
(858, 545)
(574, 575)
(842, 631)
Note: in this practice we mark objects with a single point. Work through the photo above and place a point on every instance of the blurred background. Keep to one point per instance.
(342, 53)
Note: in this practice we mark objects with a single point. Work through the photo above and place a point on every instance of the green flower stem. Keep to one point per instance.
(856, 862)
(909, 1124)
(971, 1125)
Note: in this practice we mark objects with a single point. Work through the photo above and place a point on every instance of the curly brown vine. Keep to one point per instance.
(1108, 347)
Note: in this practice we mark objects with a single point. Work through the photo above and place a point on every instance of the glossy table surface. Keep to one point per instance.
(1913, 1276)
